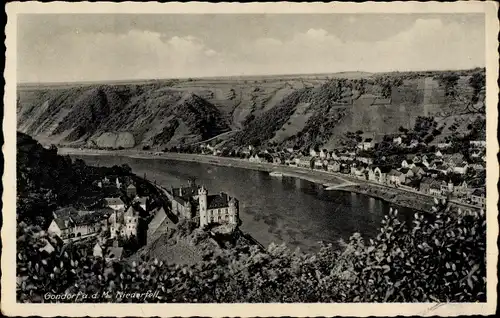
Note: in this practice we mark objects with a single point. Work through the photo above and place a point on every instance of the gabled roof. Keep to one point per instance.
(394, 172)
(420, 165)
(431, 182)
(61, 224)
(157, 220)
(416, 169)
(114, 201)
(141, 200)
(89, 218)
(187, 192)
(130, 212)
(217, 201)
(131, 186)
(404, 170)
(479, 192)
(114, 252)
(65, 212)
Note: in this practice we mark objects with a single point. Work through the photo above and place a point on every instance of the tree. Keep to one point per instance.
(477, 81)
(450, 82)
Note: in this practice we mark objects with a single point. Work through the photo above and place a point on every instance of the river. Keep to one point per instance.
(290, 210)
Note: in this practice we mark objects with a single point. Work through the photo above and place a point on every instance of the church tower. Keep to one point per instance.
(202, 200)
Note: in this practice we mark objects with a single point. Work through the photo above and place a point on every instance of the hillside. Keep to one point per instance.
(301, 110)
(47, 181)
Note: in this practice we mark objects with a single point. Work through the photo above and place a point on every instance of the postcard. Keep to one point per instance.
(257, 159)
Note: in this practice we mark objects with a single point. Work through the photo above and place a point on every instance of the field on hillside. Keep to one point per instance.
(243, 110)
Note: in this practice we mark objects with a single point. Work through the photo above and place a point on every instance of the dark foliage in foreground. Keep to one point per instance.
(438, 260)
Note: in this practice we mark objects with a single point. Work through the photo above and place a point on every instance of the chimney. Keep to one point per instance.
(180, 191)
(115, 243)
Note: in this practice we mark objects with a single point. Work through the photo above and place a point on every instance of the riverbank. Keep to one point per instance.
(395, 196)
(315, 176)
(333, 181)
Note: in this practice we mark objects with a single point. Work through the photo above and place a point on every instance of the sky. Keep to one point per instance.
(99, 47)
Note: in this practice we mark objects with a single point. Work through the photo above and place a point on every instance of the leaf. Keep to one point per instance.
(386, 268)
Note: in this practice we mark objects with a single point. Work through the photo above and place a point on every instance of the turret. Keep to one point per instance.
(233, 210)
(202, 200)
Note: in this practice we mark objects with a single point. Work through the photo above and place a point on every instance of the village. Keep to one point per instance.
(436, 169)
(119, 225)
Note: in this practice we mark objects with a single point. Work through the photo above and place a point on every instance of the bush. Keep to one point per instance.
(440, 257)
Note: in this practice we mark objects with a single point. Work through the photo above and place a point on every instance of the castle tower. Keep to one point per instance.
(233, 211)
(202, 200)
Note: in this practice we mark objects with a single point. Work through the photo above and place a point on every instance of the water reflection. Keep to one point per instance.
(297, 212)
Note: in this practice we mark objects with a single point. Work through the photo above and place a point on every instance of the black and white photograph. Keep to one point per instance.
(236, 157)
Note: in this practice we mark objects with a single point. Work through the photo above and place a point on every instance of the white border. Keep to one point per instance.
(8, 297)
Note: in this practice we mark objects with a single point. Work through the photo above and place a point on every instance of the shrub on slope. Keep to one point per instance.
(262, 128)
(46, 180)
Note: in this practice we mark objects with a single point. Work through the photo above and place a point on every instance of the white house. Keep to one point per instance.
(407, 164)
(413, 143)
(439, 154)
(444, 145)
(322, 154)
(49, 248)
(397, 140)
(312, 152)
(98, 250)
(333, 166)
(368, 143)
(475, 154)
(70, 224)
(305, 162)
(318, 164)
(478, 197)
(478, 143)
(255, 158)
(366, 160)
(396, 177)
(461, 168)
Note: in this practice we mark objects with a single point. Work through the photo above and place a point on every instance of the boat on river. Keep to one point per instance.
(275, 174)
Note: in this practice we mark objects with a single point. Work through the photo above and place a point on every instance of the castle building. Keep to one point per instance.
(217, 209)
(182, 200)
